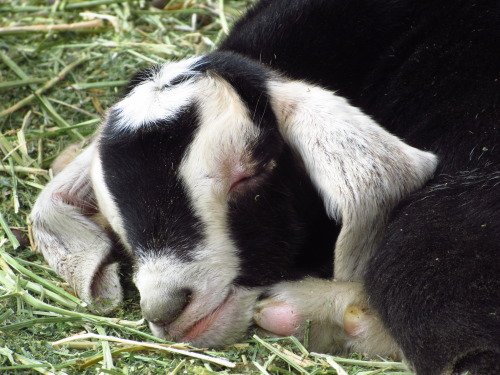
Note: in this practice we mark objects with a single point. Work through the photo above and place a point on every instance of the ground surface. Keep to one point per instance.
(61, 66)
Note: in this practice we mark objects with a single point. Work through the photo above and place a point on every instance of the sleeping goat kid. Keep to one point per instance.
(235, 174)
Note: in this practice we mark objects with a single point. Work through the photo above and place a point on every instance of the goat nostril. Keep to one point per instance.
(165, 309)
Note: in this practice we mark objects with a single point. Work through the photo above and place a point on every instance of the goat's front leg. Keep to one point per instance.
(340, 317)
(67, 230)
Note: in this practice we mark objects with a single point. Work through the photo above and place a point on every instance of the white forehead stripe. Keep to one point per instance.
(153, 100)
(225, 130)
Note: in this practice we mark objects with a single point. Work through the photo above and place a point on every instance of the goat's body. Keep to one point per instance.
(429, 72)
(425, 70)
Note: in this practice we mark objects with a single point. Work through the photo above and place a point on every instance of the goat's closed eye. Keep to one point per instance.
(243, 182)
(246, 181)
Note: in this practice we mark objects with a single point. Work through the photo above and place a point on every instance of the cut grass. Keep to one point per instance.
(61, 66)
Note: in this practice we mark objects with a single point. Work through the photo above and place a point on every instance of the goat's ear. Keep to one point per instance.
(360, 170)
(72, 242)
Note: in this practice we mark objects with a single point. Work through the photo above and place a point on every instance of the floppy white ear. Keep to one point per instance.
(74, 245)
(360, 170)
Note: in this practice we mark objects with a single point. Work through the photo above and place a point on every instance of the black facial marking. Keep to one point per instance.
(281, 228)
(141, 172)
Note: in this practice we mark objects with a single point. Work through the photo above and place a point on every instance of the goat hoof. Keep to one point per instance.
(354, 317)
(277, 318)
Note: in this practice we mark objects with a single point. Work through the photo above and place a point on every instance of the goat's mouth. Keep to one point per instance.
(182, 330)
(198, 328)
(213, 322)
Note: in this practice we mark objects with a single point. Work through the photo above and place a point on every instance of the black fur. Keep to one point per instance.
(436, 277)
(428, 71)
(148, 159)
(281, 238)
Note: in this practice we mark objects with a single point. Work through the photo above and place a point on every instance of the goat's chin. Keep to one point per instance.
(224, 325)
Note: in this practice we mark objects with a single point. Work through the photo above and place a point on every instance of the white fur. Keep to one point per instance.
(105, 201)
(360, 170)
(154, 99)
(219, 146)
(210, 280)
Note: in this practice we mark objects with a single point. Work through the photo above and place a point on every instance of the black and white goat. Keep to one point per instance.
(235, 174)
